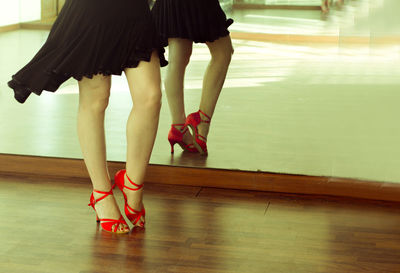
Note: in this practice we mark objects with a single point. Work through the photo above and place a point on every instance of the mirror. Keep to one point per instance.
(307, 92)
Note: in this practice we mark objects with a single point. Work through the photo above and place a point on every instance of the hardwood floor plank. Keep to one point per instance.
(47, 227)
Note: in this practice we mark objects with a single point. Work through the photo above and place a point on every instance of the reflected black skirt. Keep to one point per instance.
(90, 37)
(197, 20)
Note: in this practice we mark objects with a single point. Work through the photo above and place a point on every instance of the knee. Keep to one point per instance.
(150, 101)
(99, 104)
(179, 63)
(186, 58)
(180, 60)
(94, 97)
(222, 56)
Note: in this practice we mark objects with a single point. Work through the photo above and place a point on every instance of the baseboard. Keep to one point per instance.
(37, 25)
(316, 39)
(10, 28)
(74, 169)
(286, 7)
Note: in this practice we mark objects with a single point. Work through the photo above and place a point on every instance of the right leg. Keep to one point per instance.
(93, 101)
(221, 53)
(145, 86)
(179, 52)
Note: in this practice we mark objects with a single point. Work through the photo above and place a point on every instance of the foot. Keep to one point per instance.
(187, 137)
(108, 209)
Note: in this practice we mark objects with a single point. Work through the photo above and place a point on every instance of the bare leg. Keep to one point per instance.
(93, 101)
(221, 53)
(179, 51)
(145, 86)
(325, 6)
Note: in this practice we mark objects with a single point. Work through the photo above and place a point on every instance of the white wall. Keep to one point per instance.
(17, 11)
(9, 12)
(30, 10)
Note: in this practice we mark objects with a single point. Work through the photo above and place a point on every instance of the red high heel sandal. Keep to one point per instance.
(107, 224)
(175, 136)
(199, 141)
(133, 215)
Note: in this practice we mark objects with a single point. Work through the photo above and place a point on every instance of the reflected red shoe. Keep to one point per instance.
(133, 215)
(107, 224)
(193, 120)
(175, 136)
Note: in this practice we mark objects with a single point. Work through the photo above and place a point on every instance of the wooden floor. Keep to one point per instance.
(46, 226)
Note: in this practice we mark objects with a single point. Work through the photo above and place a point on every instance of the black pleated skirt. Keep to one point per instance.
(90, 37)
(197, 20)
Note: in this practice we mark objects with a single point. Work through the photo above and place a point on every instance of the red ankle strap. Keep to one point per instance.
(138, 187)
(183, 130)
(204, 114)
(203, 138)
(105, 194)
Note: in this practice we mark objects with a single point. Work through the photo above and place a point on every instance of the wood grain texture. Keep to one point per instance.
(72, 169)
(49, 228)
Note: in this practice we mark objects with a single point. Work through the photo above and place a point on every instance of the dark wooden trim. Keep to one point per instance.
(10, 27)
(74, 169)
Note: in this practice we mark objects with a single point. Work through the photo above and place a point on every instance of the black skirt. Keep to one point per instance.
(197, 20)
(90, 37)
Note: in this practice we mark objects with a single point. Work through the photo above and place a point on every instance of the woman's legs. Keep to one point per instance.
(179, 51)
(93, 101)
(145, 86)
(221, 53)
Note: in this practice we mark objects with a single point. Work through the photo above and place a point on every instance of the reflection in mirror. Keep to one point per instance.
(307, 92)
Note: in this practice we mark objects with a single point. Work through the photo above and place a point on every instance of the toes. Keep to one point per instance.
(124, 228)
(121, 228)
(141, 222)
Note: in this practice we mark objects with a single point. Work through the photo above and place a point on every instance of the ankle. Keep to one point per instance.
(204, 116)
(204, 128)
(132, 184)
(179, 120)
(178, 126)
(102, 189)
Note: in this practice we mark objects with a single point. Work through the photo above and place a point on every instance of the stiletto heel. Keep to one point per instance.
(175, 136)
(133, 215)
(107, 224)
(193, 120)
(172, 143)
